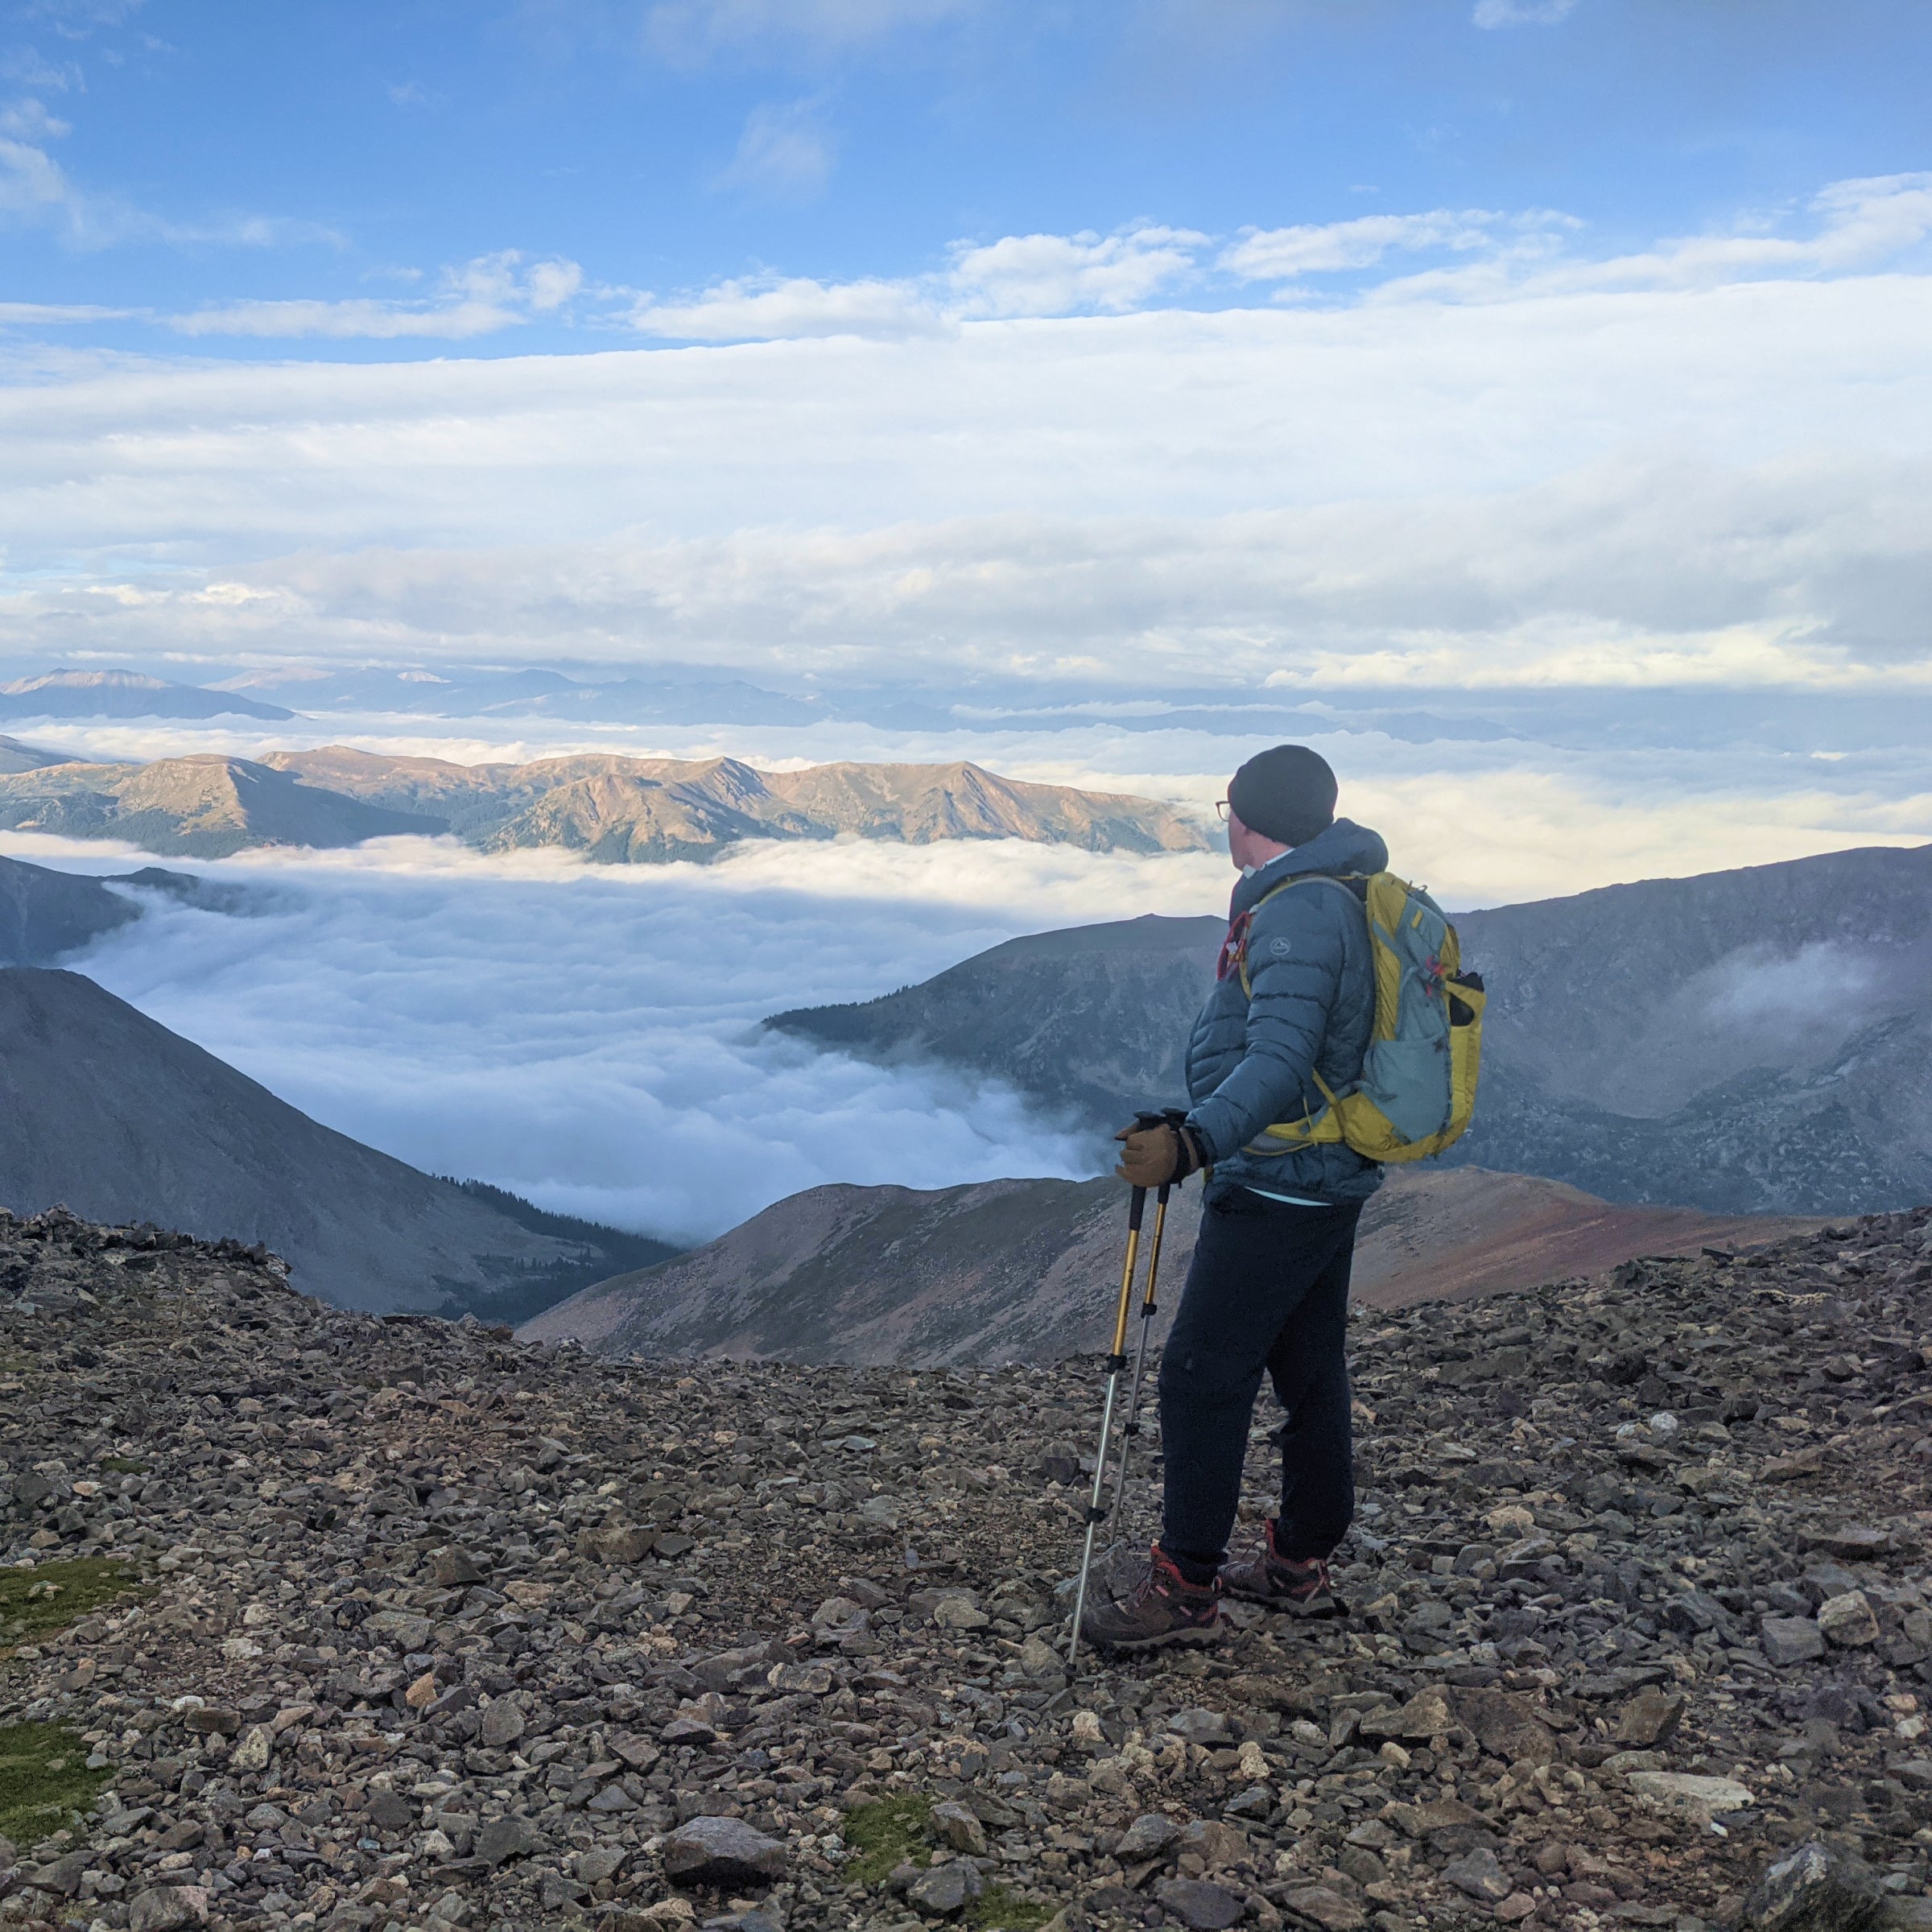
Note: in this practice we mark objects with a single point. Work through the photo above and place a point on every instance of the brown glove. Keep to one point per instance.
(1156, 1157)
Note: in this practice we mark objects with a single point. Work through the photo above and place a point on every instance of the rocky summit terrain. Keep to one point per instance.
(317, 1619)
(614, 811)
(1750, 1041)
(1006, 1271)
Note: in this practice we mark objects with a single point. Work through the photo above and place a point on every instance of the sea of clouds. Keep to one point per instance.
(587, 1036)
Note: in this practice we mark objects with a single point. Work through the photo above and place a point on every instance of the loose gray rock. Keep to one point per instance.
(1849, 1622)
(1480, 1874)
(959, 1828)
(1649, 1718)
(242, 1440)
(506, 1837)
(946, 1890)
(1147, 1837)
(1791, 1639)
(1199, 1904)
(1816, 1888)
(163, 1909)
(1199, 1727)
(722, 1851)
(1323, 1906)
(502, 1725)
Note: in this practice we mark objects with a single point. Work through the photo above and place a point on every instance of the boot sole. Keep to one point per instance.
(1213, 1633)
(1323, 1607)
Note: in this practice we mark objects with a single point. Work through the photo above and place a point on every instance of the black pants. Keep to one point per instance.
(1269, 1288)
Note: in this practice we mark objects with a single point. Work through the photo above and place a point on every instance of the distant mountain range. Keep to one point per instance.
(1753, 1041)
(123, 694)
(613, 809)
(1027, 1270)
(106, 1112)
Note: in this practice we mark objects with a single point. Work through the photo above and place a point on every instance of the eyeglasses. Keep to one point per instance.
(1221, 810)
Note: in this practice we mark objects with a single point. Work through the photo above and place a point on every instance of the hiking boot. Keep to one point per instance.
(1159, 1607)
(1282, 1582)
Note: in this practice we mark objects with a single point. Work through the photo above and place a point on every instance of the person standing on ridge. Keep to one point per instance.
(1293, 1007)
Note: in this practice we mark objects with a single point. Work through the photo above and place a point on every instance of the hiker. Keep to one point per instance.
(1292, 1009)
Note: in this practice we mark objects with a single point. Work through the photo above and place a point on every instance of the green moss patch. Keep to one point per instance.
(51, 1596)
(999, 1909)
(886, 1833)
(44, 1781)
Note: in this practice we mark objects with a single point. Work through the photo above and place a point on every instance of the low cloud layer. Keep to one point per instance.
(586, 1038)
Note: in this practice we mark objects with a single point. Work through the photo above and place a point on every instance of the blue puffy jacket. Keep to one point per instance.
(1311, 1008)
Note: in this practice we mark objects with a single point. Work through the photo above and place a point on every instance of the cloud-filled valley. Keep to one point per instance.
(586, 1038)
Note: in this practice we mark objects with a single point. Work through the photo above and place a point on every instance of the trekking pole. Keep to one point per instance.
(1173, 1117)
(1117, 1361)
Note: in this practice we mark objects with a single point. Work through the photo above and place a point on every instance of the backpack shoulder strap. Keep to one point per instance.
(1355, 884)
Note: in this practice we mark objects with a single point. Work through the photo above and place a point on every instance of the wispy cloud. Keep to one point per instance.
(1018, 275)
(1848, 227)
(36, 191)
(41, 315)
(1065, 275)
(785, 154)
(493, 292)
(788, 308)
(1322, 248)
(688, 31)
(1492, 13)
(78, 18)
(1479, 255)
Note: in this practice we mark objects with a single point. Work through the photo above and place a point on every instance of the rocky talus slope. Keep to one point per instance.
(398, 1624)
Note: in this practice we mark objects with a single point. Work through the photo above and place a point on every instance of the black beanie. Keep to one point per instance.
(1286, 793)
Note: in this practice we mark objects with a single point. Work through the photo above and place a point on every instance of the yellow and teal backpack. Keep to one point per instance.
(1418, 1086)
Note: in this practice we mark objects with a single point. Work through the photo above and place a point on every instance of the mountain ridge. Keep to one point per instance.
(1024, 1270)
(611, 809)
(1652, 1042)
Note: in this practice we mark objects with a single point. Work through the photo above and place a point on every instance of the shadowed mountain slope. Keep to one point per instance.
(1754, 1041)
(1092, 1021)
(44, 913)
(105, 1112)
(1026, 1270)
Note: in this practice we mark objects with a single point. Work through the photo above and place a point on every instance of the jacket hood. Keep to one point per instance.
(1342, 847)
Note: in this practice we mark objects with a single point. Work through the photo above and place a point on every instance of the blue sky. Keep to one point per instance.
(568, 175)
